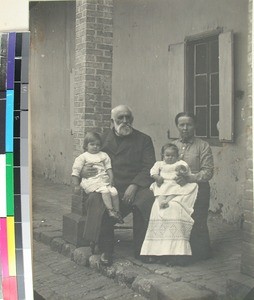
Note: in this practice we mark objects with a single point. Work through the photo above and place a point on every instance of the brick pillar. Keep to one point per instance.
(93, 73)
(247, 261)
(92, 90)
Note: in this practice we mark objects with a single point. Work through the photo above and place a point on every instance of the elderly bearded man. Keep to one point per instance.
(132, 156)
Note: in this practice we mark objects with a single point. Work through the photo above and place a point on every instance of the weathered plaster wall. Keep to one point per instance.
(142, 32)
(52, 28)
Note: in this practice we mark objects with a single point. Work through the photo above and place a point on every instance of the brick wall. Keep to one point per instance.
(247, 262)
(93, 68)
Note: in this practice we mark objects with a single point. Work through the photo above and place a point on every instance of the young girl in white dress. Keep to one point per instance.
(170, 221)
(103, 181)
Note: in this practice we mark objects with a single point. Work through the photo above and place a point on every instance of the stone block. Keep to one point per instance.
(127, 274)
(81, 256)
(238, 286)
(143, 284)
(73, 228)
(68, 250)
(57, 244)
(38, 230)
(110, 272)
(47, 237)
(78, 204)
(94, 262)
(179, 291)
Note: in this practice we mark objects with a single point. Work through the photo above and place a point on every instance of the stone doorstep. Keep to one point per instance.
(141, 280)
(48, 237)
(238, 286)
(179, 291)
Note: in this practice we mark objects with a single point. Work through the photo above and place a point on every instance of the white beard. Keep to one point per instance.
(123, 129)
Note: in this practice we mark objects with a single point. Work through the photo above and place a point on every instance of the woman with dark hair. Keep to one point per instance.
(198, 155)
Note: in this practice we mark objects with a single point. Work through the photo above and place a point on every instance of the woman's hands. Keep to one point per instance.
(181, 180)
(184, 179)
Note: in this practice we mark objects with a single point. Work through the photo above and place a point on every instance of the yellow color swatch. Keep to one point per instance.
(11, 246)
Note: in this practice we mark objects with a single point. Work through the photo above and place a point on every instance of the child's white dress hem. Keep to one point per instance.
(165, 247)
(169, 229)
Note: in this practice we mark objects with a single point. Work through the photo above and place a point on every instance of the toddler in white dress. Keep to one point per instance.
(103, 181)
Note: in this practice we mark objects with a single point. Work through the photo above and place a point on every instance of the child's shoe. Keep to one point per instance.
(119, 217)
(115, 215)
(112, 214)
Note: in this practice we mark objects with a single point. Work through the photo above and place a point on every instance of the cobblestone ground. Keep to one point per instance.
(203, 280)
(58, 278)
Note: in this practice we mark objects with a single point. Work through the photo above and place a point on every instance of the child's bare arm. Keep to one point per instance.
(111, 176)
(76, 182)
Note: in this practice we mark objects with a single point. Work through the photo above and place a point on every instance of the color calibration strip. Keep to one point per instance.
(15, 220)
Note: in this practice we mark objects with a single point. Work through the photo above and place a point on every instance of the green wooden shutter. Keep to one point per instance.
(226, 87)
(176, 85)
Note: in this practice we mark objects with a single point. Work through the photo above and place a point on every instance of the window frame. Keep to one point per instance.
(178, 92)
(189, 88)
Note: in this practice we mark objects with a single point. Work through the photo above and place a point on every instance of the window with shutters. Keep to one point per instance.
(201, 80)
(202, 58)
(209, 85)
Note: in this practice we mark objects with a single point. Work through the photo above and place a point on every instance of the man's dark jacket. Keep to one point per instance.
(132, 157)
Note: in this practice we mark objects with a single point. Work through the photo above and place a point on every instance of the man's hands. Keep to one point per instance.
(158, 179)
(129, 194)
(88, 171)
